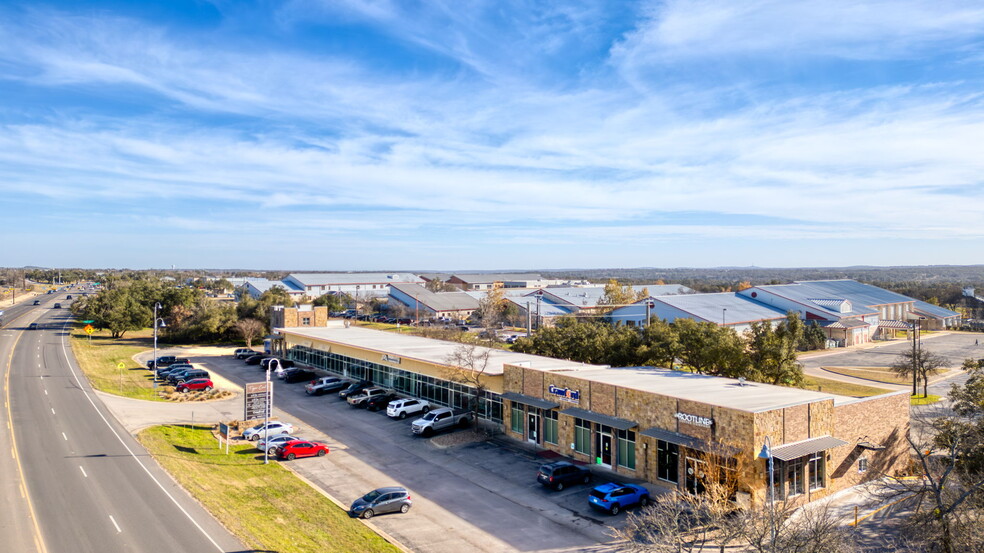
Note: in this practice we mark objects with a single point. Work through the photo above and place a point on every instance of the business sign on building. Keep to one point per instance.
(695, 420)
(391, 358)
(259, 400)
(565, 394)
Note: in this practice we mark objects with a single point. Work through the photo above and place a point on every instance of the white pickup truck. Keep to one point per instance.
(441, 419)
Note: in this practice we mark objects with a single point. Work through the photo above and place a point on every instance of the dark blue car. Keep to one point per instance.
(615, 496)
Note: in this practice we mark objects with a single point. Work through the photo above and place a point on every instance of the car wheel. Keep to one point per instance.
(254, 437)
(367, 514)
(428, 432)
(426, 408)
(403, 415)
(643, 501)
(321, 453)
(272, 451)
(208, 388)
(404, 508)
(290, 456)
(464, 423)
(614, 510)
(559, 486)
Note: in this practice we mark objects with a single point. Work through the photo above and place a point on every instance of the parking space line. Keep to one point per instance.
(113, 520)
(83, 471)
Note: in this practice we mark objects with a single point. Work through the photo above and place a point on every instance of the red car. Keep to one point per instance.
(301, 448)
(203, 384)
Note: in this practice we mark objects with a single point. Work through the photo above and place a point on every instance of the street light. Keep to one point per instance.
(766, 453)
(158, 322)
(724, 314)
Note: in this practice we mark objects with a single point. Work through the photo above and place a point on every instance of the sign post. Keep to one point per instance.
(259, 404)
(224, 435)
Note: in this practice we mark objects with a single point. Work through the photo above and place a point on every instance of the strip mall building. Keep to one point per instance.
(651, 424)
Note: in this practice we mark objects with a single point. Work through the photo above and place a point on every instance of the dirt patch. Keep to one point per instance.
(460, 437)
(185, 397)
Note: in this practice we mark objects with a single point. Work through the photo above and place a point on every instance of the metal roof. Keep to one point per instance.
(711, 307)
(934, 311)
(325, 279)
(806, 293)
(689, 442)
(858, 292)
(847, 322)
(496, 277)
(614, 422)
(795, 450)
(529, 400)
(438, 301)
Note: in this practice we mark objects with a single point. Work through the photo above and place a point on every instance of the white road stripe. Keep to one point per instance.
(64, 436)
(113, 520)
(83, 471)
(46, 392)
(52, 410)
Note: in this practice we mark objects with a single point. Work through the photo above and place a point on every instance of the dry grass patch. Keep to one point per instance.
(877, 374)
(265, 506)
(841, 388)
(100, 357)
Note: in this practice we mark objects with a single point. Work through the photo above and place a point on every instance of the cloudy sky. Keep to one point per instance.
(375, 134)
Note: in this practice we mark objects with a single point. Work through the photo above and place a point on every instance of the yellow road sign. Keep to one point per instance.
(89, 329)
(122, 365)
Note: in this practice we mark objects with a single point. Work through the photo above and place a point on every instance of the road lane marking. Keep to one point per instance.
(46, 392)
(52, 410)
(64, 436)
(113, 520)
(133, 455)
(83, 471)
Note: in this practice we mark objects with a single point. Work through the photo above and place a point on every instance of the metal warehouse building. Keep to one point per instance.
(653, 424)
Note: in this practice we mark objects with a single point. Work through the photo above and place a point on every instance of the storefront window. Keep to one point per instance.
(816, 467)
(582, 436)
(667, 461)
(550, 427)
(626, 449)
(516, 419)
(794, 477)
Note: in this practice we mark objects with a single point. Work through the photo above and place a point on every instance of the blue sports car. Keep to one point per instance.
(615, 496)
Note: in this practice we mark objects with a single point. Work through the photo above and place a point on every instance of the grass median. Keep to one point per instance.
(841, 388)
(100, 357)
(265, 506)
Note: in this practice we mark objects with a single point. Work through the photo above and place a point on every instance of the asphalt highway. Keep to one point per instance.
(87, 484)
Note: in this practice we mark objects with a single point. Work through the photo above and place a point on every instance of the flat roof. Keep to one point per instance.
(428, 350)
(727, 307)
(713, 390)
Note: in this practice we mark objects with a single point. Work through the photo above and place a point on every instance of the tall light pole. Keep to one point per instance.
(157, 322)
(356, 304)
(766, 453)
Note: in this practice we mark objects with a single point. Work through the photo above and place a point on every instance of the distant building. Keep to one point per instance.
(723, 309)
(426, 304)
(491, 280)
(256, 286)
(365, 285)
(297, 317)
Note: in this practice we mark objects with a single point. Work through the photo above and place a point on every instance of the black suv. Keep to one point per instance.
(298, 375)
(355, 388)
(163, 372)
(165, 361)
(180, 377)
(562, 473)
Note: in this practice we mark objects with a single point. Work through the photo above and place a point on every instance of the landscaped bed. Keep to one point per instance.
(265, 506)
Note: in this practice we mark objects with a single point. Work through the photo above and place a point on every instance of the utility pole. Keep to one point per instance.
(915, 353)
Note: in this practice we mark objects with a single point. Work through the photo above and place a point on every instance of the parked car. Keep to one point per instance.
(400, 408)
(243, 353)
(182, 376)
(163, 373)
(272, 428)
(37, 302)
(273, 443)
(255, 359)
(560, 474)
(68, 297)
(324, 385)
(56, 306)
(441, 419)
(380, 402)
(166, 361)
(197, 384)
(382, 500)
(354, 388)
(360, 399)
(297, 375)
(301, 448)
(615, 496)
(272, 363)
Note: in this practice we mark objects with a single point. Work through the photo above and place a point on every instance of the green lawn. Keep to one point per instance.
(100, 359)
(841, 388)
(265, 506)
(923, 400)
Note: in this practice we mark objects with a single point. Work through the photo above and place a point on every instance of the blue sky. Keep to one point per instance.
(369, 135)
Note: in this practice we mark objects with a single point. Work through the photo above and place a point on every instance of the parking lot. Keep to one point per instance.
(956, 346)
(480, 495)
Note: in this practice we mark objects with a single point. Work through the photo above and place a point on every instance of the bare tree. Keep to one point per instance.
(921, 362)
(467, 365)
(251, 329)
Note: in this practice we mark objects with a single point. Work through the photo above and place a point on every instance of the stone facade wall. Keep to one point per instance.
(881, 420)
(291, 317)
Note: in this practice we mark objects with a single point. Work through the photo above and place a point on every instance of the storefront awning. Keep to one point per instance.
(689, 442)
(795, 450)
(529, 400)
(614, 422)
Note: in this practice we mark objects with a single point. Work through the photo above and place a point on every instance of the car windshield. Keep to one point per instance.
(429, 416)
(371, 496)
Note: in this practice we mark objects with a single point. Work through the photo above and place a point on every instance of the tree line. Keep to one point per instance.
(764, 353)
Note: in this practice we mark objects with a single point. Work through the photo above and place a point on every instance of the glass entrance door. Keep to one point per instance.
(533, 428)
(695, 475)
(605, 449)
